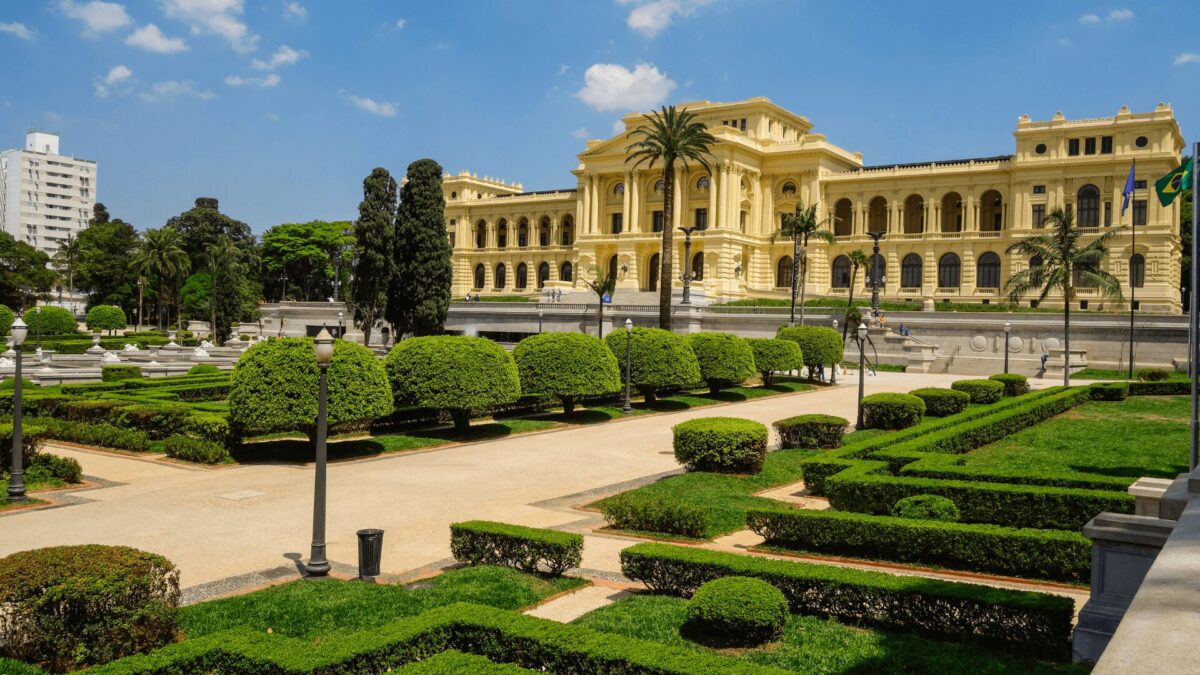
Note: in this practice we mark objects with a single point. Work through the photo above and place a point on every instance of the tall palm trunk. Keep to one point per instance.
(668, 250)
(849, 303)
(1067, 337)
(803, 275)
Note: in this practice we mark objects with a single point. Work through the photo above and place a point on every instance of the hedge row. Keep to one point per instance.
(530, 549)
(1041, 554)
(811, 431)
(950, 467)
(1024, 622)
(1110, 391)
(1171, 388)
(651, 513)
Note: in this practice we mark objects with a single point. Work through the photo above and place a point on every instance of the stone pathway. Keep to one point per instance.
(567, 608)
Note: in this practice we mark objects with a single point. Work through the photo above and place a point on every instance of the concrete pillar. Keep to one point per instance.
(633, 189)
(712, 201)
(676, 204)
(625, 203)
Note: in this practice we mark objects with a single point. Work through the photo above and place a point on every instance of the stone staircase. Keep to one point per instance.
(985, 364)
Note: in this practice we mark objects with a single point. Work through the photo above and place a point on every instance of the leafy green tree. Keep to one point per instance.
(23, 272)
(456, 373)
(607, 286)
(659, 360)
(800, 226)
(65, 259)
(725, 359)
(105, 250)
(568, 366)
(105, 317)
(304, 251)
(374, 234)
(227, 276)
(420, 289)
(1186, 204)
(193, 296)
(671, 137)
(203, 225)
(818, 345)
(858, 260)
(162, 259)
(1065, 263)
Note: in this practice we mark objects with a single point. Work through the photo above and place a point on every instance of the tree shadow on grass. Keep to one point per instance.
(294, 451)
(587, 416)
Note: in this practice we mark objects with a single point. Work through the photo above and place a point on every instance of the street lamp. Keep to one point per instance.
(687, 265)
(1007, 330)
(341, 325)
(875, 237)
(38, 312)
(628, 348)
(539, 320)
(833, 366)
(317, 565)
(862, 338)
(16, 481)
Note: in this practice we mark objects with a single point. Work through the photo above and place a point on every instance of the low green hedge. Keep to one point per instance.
(1015, 384)
(926, 507)
(649, 513)
(811, 431)
(195, 450)
(117, 373)
(1168, 388)
(951, 467)
(1039, 554)
(892, 411)
(736, 611)
(97, 434)
(721, 444)
(1025, 622)
(980, 391)
(530, 549)
(1109, 391)
(942, 402)
(158, 420)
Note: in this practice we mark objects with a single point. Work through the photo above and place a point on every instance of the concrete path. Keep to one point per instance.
(221, 523)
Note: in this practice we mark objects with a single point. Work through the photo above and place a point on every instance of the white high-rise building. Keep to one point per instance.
(45, 196)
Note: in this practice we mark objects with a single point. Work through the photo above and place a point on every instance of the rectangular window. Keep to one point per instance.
(1139, 212)
(1039, 215)
(1073, 147)
(1139, 185)
(1089, 146)
(701, 219)
(657, 221)
(1039, 189)
(743, 125)
(1106, 145)
(618, 220)
(1108, 214)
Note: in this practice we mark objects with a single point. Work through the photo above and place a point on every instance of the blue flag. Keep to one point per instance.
(1128, 191)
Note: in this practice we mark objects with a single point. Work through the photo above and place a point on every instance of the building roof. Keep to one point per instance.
(939, 162)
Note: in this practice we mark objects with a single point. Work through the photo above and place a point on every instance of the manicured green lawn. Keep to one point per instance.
(31, 484)
(326, 608)
(1102, 374)
(1140, 436)
(813, 645)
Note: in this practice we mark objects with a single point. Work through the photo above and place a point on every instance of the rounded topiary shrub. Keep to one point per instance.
(926, 507)
(105, 317)
(811, 431)
(660, 360)
(736, 611)
(772, 355)
(725, 359)
(274, 387)
(204, 369)
(721, 444)
(121, 372)
(1015, 384)
(980, 391)
(818, 344)
(1153, 374)
(455, 373)
(1109, 391)
(53, 320)
(567, 366)
(942, 402)
(68, 607)
(892, 411)
(6, 319)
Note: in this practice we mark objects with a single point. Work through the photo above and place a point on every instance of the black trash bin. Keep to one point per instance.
(370, 551)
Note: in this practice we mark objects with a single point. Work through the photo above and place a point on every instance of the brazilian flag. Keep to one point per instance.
(1173, 184)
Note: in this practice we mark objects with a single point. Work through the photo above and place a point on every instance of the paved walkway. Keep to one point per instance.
(244, 520)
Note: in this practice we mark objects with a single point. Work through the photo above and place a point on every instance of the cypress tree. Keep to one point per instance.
(374, 234)
(420, 291)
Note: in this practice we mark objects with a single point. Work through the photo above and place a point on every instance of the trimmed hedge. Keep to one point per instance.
(1153, 374)
(530, 549)
(105, 317)
(456, 373)
(721, 444)
(736, 611)
(651, 513)
(567, 366)
(47, 466)
(53, 320)
(195, 450)
(118, 373)
(725, 359)
(926, 507)
(942, 402)
(892, 411)
(1110, 391)
(772, 355)
(811, 431)
(1020, 621)
(1168, 388)
(819, 344)
(98, 434)
(1014, 384)
(980, 391)
(661, 360)
(204, 369)
(158, 420)
(1039, 554)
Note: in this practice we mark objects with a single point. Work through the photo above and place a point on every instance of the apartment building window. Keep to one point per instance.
(1139, 212)
(657, 221)
(1106, 145)
(618, 222)
(1073, 147)
(1089, 146)
(1039, 215)
(701, 219)
(1039, 189)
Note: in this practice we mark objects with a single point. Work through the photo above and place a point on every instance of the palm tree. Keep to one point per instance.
(65, 259)
(669, 136)
(858, 258)
(1064, 262)
(601, 288)
(161, 256)
(801, 226)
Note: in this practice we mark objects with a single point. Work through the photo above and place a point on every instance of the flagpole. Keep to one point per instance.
(1132, 281)
(1194, 318)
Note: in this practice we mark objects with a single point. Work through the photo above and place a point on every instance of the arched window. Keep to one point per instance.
(522, 279)
(1035, 261)
(544, 232)
(652, 269)
(1088, 208)
(480, 276)
(952, 212)
(566, 272)
(501, 279)
(910, 271)
(619, 189)
(1079, 279)
(502, 233)
(783, 272)
(543, 275)
(480, 234)
(991, 211)
(987, 271)
(843, 218)
(523, 233)
(568, 230)
(612, 267)
(949, 271)
(453, 195)
(1137, 270)
(789, 188)
(877, 218)
(698, 267)
(660, 185)
(703, 183)
(841, 272)
(914, 214)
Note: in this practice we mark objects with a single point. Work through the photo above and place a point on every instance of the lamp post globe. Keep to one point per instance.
(628, 348)
(16, 481)
(1007, 330)
(862, 338)
(318, 564)
(341, 324)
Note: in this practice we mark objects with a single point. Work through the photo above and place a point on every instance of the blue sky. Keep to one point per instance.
(280, 107)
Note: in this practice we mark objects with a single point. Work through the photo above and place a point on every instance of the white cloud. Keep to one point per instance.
(17, 29)
(1120, 15)
(580, 133)
(215, 16)
(400, 23)
(651, 17)
(119, 80)
(284, 56)
(97, 17)
(294, 10)
(618, 127)
(1187, 57)
(172, 89)
(1089, 18)
(563, 68)
(238, 81)
(608, 86)
(380, 108)
(151, 39)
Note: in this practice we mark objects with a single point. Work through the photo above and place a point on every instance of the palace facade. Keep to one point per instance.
(946, 223)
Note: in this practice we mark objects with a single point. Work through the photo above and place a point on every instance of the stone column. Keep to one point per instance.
(766, 218)
(677, 201)
(583, 204)
(724, 199)
(712, 201)
(625, 198)
(633, 189)
(596, 199)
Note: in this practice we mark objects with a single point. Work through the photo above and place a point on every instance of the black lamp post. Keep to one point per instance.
(875, 237)
(16, 481)
(341, 325)
(862, 338)
(539, 320)
(38, 312)
(687, 265)
(318, 565)
(628, 348)
(1007, 330)
(833, 366)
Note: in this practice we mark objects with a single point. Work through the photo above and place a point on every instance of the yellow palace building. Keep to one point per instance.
(947, 223)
